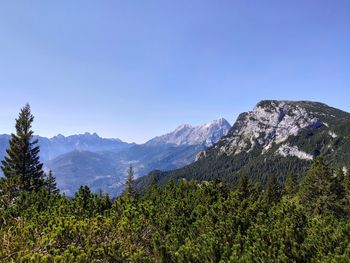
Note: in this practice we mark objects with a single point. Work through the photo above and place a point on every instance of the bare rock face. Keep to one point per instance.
(200, 155)
(268, 123)
(206, 134)
(287, 150)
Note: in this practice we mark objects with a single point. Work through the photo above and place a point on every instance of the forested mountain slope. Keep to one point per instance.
(276, 137)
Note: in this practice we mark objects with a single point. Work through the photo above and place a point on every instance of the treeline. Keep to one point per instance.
(297, 220)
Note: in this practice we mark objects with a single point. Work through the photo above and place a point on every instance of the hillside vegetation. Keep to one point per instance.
(186, 221)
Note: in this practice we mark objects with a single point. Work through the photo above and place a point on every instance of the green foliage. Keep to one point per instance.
(291, 184)
(50, 184)
(130, 181)
(273, 192)
(320, 190)
(21, 165)
(185, 221)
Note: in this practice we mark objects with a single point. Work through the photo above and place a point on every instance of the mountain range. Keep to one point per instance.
(100, 163)
(51, 148)
(276, 137)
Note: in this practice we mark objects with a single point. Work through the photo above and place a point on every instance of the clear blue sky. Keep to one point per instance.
(137, 69)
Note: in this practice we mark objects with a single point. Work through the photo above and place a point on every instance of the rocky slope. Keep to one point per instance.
(275, 137)
(186, 134)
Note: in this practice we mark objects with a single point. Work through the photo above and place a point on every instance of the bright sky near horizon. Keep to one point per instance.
(136, 69)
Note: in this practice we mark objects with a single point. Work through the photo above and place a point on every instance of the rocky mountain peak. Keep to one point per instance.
(274, 138)
(186, 134)
(273, 122)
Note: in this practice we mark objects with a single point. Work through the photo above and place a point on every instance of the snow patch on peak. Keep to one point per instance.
(287, 150)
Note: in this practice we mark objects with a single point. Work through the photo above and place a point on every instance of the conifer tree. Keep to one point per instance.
(318, 191)
(272, 191)
(346, 182)
(129, 190)
(21, 166)
(338, 185)
(153, 189)
(50, 184)
(83, 200)
(291, 184)
(244, 186)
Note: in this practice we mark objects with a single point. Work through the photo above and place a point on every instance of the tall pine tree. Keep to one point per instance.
(50, 184)
(291, 185)
(21, 166)
(129, 184)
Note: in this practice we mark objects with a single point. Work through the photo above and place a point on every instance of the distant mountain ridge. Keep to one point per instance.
(55, 146)
(88, 159)
(276, 137)
(50, 148)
